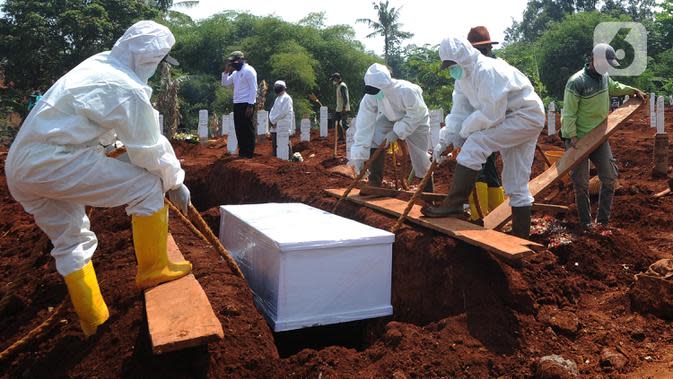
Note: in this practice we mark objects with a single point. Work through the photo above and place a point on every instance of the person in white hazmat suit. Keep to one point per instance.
(54, 168)
(281, 112)
(495, 108)
(391, 109)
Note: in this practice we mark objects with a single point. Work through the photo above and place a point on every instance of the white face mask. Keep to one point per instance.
(146, 66)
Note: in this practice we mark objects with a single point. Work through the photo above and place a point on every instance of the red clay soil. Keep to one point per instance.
(459, 312)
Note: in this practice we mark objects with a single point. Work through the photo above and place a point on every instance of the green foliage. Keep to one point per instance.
(41, 40)
(388, 26)
(421, 66)
(303, 55)
(565, 47)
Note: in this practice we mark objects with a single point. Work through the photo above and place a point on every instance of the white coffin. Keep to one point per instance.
(307, 267)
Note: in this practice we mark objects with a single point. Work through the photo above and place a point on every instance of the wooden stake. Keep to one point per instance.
(413, 199)
(546, 160)
(361, 175)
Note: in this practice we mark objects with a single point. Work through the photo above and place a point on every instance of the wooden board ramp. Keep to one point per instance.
(509, 247)
(179, 314)
(590, 142)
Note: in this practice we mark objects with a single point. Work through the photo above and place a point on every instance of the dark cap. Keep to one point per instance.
(479, 35)
(171, 61)
(336, 75)
(446, 64)
(235, 55)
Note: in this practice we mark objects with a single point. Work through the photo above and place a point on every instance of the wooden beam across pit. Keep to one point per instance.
(179, 314)
(506, 246)
(590, 142)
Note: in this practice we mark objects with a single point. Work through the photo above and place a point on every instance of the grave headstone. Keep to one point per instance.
(305, 130)
(323, 122)
(551, 119)
(203, 126)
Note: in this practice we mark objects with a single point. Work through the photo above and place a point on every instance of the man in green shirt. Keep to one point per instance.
(586, 104)
(343, 106)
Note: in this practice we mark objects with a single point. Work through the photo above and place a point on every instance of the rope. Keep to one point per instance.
(38, 331)
(209, 237)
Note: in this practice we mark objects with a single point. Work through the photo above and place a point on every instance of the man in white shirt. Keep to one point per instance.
(281, 112)
(244, 79)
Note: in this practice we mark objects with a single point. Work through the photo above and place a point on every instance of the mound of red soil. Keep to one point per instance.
(458, 311)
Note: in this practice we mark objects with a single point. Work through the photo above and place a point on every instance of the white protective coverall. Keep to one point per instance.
(402, 110)
(281, 113)
(495, 108)
(54, 167)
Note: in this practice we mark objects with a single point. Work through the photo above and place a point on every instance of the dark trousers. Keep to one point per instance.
(341, 118)
(245, 131)
(489, 173)
(274, 143)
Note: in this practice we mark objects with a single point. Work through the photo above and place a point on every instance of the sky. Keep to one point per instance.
(430, 21)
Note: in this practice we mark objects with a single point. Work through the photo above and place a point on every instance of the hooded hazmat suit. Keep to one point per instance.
(54, 168)
(401, 110)
(495, 108)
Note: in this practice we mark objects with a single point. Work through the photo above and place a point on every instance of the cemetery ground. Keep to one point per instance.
(458, 311)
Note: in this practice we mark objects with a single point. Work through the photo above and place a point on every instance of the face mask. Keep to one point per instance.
(237, 66)
(278, 90)
(379, 96)
(335, 82)
(456, 71)
(145, 71)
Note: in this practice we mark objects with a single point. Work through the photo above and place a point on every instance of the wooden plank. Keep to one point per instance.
(506, 246)
(179, 314)
(500, 215)
(550, 208)
(389, 192)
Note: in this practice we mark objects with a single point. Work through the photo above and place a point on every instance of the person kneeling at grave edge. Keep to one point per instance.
(54, 168)
(586, 104)
(495, 108)
(391, 109)
(281, 113)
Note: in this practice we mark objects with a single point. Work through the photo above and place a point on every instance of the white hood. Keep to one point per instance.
(378, 76)
(459, 51)
(142, 47)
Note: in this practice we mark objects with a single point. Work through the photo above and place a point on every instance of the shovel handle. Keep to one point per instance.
(361, 175)
(415, 197)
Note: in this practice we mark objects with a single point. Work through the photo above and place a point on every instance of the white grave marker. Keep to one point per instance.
(305, 130)
(551, 119)
(653, 115)
(323, 122)
(225, 125)
(232, 141)
(283, 140)
(203, 126)
(660, 116)
(262, 122)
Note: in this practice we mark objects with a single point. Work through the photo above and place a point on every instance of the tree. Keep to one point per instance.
(388, 26)
(40, 40)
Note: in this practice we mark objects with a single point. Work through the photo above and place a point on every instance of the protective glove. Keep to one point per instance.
(357, 165)
(437, 153)
(391, 137)
(180, 197)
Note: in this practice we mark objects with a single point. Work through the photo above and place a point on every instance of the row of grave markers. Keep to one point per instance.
(284, 132)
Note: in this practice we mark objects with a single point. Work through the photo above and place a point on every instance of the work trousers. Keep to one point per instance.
(245, 131)
(607, 173)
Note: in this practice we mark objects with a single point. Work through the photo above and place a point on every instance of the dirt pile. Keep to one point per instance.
(458, 311)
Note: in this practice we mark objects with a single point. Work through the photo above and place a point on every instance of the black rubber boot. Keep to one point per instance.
(375, 173)
(463, 182)
(521, 222)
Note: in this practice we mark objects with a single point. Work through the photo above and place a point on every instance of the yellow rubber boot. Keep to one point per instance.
(496, 196)
(86, 299)
(482, 196)
(150, 235)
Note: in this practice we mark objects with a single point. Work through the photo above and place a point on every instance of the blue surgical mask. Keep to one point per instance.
(456, 71)
(379, 96)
